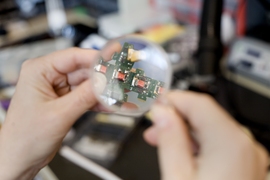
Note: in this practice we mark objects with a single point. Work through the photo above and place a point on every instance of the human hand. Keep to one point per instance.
(225, 150)
(52, 93)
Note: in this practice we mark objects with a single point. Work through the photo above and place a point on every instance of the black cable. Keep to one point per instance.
(210, 46)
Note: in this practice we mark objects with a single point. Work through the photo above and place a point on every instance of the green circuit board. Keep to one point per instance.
(122, 77)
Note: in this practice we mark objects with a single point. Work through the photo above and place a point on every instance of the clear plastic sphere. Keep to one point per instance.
(130, 74)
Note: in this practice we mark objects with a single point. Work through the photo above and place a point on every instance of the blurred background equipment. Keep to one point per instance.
(132, 16)
(210, 46)
(10, 62)
(56, 16)
(248, 70)
(100, 137)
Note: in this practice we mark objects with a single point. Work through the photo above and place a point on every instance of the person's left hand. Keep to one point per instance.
(52, 93)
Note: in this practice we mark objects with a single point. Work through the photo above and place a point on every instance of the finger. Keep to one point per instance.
(77, 77)
(109, 49)
(150, 136)
(129, 106)
(101, 108)
(69, 60)
(208, 120)
(263, 157)
(174, 150)
(78, 101)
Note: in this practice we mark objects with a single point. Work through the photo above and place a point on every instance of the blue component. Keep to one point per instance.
(95, 47)
(246, 64)
(137, 45)
(253, 53)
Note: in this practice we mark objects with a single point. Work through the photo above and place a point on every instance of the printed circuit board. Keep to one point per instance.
(123, 78)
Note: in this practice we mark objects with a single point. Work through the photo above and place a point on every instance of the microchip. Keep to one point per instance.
(120, 76)
(140, 83)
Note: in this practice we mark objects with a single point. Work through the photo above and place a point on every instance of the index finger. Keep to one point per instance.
(208, 120)
(69, 60)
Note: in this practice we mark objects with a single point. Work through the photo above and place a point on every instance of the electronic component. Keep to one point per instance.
(133, 55)
(122, 77)
(159, 90)
(140, 83)
(101, 68)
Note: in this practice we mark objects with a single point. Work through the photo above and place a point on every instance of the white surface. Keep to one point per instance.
(7, 92)
(260, 69)
(227, 29)
(129, 9)
(97, 149)
(116, 119)
(46, 174)
(118, 24)
(87, 164)
(2, 115)
(56, 15)
(56, 20)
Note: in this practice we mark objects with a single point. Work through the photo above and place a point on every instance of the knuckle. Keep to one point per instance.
(26, 66)
(73, 50)
(26, 63)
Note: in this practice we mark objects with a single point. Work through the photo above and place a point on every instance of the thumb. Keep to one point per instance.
(82, 98)
(174, 150)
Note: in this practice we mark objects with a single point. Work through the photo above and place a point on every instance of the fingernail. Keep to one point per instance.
(159, 114)
(100, 82)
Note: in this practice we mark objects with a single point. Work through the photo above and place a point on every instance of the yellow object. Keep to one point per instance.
(133, 55)
(162, 33)
(148, 115)
(133, 70)
(115, 119)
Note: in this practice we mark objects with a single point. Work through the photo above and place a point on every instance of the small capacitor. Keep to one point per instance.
(101, 68)
(140, 83)
(120, 76)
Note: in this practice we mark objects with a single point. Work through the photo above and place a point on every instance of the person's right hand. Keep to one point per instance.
(226, 151)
